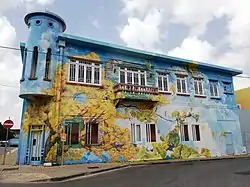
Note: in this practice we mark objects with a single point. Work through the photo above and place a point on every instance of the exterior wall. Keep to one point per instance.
(116, 111)
(242, 98)
(244, 123)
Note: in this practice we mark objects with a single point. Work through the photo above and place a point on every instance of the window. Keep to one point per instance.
(34, 63)
(214, 88)
(47, 65)
(135, 133)
(72, 132)
(84, 72)
(184, 133)
(130, 76)
(163, 82)
(196, 132)
(150, 132)
(198, 86)
(227, 86)
(24, 63)
(92, 133)
(181, 82)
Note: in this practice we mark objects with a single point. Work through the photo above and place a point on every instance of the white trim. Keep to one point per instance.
(216, 83)
(193, 131)
(85, 64)
(163, 75)
(181, 78)
(133, 72)
(133, 131)
(199, 81)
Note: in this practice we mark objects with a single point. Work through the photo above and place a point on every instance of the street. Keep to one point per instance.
(223, 173)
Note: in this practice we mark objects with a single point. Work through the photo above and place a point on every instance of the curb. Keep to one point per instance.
(56, 179)
(133, 164)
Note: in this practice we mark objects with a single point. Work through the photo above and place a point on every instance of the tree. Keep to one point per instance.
(3, 132)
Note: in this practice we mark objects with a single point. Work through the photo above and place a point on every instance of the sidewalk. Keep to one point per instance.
(24, 174)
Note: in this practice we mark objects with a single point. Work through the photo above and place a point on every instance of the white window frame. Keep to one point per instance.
(85, 64)
(193, 129)
(162, 76)
(200, 81)
(215, 84)
(128, 70)
(182, 77)
(148, 132)
(134, 133)
(182, 135)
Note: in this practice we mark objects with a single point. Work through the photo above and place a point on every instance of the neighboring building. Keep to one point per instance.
(117, 104)
(243, 101)
(13, 142)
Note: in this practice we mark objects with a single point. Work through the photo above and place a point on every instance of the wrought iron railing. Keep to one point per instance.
(135, 89)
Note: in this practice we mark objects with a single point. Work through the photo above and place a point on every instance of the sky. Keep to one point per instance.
(214, 31)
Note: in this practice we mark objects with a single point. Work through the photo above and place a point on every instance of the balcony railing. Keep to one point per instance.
(135, 89)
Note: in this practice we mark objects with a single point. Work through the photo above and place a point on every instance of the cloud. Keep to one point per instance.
(196, 16)
(96, 23)
(10, 62)
(143, 34)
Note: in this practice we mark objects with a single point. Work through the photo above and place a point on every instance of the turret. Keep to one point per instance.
(40, 54)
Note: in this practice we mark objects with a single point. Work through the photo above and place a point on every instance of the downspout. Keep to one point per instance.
(59, 87)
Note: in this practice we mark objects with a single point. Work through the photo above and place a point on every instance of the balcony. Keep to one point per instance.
(137, 92)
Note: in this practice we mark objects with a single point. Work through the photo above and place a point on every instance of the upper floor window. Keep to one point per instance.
(198, 86)
(227, 87)
(181, 84)
(214, 88)
(47, 64)
(84, 72)
(163, 82)
(34, 63)
(131, 76)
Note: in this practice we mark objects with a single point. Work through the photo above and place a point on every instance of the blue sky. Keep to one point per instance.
(216, 32)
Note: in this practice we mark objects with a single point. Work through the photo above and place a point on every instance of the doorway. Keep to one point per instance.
(36, 145)
(229, 143)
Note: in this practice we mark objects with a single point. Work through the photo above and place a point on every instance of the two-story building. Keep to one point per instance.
(87, 101)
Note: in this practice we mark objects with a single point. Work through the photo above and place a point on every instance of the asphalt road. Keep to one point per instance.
(226, 173)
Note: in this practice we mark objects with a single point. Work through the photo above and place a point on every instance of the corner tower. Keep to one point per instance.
(40, 54)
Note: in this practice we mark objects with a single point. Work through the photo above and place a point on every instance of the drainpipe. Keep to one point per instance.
(59, 86)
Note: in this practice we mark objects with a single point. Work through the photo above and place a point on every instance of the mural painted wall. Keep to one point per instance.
(112, 122)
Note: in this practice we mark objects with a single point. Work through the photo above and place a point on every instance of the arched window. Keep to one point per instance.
(24, 63)
(34, 63)
(47, 65)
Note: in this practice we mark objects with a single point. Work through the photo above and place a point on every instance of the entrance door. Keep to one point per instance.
(35, 147)
(229, 143)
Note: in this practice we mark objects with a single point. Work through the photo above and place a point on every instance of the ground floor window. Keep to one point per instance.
(150, 133)
(92, 133)
(184, 133)
(196, 132)
(136, 133)
(72, 131)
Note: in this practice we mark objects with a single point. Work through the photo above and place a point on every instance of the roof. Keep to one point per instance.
(242, 98)
(46, 13)
(143, 54)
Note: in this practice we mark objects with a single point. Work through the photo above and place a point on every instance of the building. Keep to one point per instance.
(242, 99)
(117, 104)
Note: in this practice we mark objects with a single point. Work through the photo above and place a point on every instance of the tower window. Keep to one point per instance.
(50, 24)
(34, 63)
(24, 63)
(38, 22)
(47, 65)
